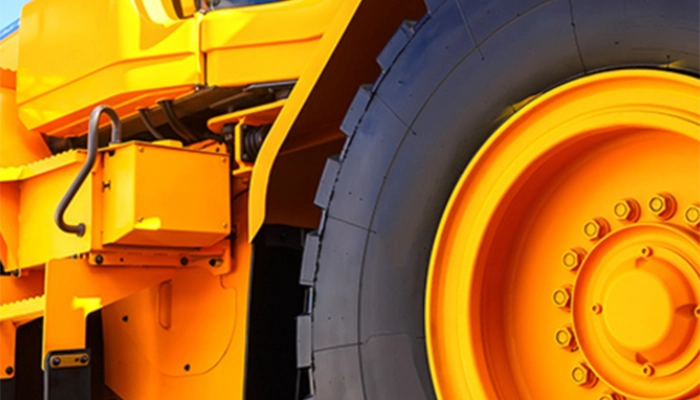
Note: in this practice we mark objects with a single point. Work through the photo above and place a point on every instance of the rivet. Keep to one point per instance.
(627, 210)
(596, 228)
(55, 361)
(662, 205)
(223, 159)
(84, 359)
(648, 369)
(99, 259)
(213, 262)
(9, 370)
(140, 149)
(139, 219)
(184, 261)
(225, 225)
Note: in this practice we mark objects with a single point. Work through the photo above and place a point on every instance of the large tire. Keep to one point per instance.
(448, 81)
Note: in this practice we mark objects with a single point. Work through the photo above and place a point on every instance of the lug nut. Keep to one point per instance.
(596, 228)
(611, 396)
(583, 376)
(562, 297)
(626, 210)
(692, 216)
(565, 338)
(662, 205)
(572, 258)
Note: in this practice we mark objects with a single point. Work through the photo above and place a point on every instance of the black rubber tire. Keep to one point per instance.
(448, 81)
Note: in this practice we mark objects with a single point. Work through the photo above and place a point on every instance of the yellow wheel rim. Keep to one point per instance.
(566, 264)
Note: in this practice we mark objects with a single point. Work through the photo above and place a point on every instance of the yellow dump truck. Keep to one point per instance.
(350, 200)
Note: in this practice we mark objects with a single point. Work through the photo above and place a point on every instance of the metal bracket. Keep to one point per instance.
(67, 375)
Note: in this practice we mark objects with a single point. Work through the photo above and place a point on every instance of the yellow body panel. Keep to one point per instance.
(9, 50)
(122, 53)
(271, 42)
(148, 189)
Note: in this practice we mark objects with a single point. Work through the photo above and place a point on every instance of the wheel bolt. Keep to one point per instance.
(662, 205)
(611, 396)
(562, 297)
(572, 258)
(692, 216)
(626, 210)
(565, 338)
(596, 228)
(648, 369)
(583, 376)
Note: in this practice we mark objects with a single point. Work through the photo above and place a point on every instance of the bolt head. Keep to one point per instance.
(692, 216)
(562, 297)
(184, 261)
(565, 338)
(626, 210)
(597, 308)
(648, 369)
(583, 376)
(572, 258)
(55, 361)
(611, 396)
(662, 205)
(9, 370)
(596, 228)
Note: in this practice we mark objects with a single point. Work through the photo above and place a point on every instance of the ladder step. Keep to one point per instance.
(22, 310)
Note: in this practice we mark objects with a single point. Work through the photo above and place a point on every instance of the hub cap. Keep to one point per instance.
(567, 262)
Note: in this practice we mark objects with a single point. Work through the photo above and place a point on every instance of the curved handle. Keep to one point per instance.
(93, 126)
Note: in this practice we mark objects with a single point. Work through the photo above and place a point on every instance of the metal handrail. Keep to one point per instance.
(93, 139)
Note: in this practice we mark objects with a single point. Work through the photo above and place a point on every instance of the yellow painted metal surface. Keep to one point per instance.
(270, 42)
(19, 145)
(125, 54)
(567, 261)
(164, 196)
(278, 133)
(9, 50)
(184, 338)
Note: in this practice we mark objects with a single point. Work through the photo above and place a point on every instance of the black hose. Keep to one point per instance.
(180, 129)
(144, 117)
(115, 138)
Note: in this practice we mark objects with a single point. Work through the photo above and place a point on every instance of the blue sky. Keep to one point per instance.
(10, 11)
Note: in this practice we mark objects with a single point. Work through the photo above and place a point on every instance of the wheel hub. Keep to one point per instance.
(633, 310)
(560, 268)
